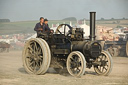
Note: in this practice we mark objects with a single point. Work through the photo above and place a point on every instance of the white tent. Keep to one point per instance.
(86, 29)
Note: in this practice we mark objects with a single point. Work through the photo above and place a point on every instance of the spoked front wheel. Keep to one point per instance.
(36, 56)
(127, 49)
(76, 64)
(106, 64)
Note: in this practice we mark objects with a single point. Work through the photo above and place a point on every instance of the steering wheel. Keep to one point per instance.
(64, 29)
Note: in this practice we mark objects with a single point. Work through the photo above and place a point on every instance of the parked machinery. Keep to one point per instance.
(66, 50)
(117, 48)
(4, 47)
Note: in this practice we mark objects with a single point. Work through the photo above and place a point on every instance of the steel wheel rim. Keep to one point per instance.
(104, 67)
(34, 56)
(75, 64)
(127, 48)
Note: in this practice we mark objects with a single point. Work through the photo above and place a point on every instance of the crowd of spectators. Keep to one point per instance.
(16, 41)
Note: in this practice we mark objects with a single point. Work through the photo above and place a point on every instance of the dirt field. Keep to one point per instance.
(13, 73)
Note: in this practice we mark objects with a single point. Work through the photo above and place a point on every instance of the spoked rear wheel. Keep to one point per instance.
(76, 64)
(127, 49)
(36, 56)
(113, 52)
(106, 64)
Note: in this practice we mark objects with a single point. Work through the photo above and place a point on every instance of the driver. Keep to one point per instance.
(39, 26)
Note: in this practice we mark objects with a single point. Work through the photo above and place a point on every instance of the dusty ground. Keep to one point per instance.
(13, 73)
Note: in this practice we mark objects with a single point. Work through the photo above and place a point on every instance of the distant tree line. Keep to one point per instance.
(70, 19)
(111, 18)
(4, 20)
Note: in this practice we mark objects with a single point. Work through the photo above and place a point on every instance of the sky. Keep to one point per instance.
(23, 10)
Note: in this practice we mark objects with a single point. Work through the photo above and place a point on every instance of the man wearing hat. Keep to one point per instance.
(39, 26)
(46, 26)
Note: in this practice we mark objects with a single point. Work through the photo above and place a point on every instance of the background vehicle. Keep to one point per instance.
(117, 48)
(4, 47)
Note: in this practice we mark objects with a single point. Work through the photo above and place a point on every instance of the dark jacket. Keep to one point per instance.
(46, 28)
(38, 26)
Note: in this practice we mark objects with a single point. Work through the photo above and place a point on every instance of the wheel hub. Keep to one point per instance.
(35, 59)
(103, 63)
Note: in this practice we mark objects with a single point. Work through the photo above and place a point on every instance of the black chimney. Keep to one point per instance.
(92, 26)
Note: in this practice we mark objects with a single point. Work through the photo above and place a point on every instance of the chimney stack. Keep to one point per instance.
(92, 26)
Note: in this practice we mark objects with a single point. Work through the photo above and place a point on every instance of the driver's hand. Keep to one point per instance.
(40, 29)
(52, 31)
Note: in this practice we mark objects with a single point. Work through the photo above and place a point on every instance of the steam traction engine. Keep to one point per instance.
(66, 50)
